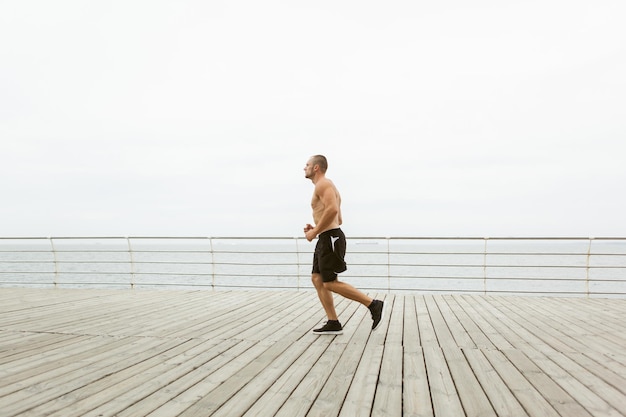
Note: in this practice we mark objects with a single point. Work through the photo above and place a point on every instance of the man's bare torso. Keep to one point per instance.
(318, 205)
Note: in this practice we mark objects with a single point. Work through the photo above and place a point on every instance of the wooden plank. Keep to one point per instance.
(331, 397)
(468, 323)
(416, 400)
(243, 400)
(273, 398)
(425, 325)
(558, 398)
(189, 389)
(440, 327)
(388, 400)
(474, 400)
(500, 396)
(321, 374)
(183, 318)
(446, 402)
(612, 394)
(573, 384)
(274, 327)
(151, 393)
(415, 392)
(179, 379)
(510, 330)
(117, 389)
(307, 390)
(554, 344)
(483, 318)
(276, 395)
(458, 332)
(251, 319)
(220, 394)
(25, 345)
(84, 315)
(360, 396)
(532, 400)
(206, 318)
(219, 311)
(411, 335)
(581, 325)
(564, 335)
(526, 340)
(37, 369)
(41, 388)
(30, 370)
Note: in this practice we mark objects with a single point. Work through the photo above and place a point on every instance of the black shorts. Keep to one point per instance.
(329, 253)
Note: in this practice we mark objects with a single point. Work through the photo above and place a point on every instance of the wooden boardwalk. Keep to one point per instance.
(250, 353)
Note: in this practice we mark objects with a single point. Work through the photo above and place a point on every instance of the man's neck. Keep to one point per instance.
(317, 178)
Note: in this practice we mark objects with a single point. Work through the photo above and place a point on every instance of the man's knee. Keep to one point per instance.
(330, 285)
(317, 280)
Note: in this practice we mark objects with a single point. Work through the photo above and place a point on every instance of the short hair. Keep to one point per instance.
(321, 161)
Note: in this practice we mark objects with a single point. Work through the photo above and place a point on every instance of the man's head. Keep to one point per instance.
(315, 164)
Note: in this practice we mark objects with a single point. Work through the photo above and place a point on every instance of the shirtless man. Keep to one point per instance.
(331, 249)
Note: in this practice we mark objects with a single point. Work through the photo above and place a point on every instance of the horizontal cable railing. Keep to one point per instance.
(577, 266)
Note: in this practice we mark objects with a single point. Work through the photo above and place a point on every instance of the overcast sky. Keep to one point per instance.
(195, 118)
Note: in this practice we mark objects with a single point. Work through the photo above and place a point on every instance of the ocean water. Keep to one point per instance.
(574, 267)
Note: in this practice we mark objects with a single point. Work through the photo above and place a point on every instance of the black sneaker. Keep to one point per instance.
(331, 327)
(377, 309)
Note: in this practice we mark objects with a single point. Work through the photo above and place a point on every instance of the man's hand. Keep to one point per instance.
(309, 232)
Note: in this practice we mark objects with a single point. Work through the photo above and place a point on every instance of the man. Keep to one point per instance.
(330, 249)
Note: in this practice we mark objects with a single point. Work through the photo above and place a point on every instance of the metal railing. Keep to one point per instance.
(587, 267)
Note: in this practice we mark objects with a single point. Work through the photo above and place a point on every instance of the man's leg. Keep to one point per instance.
(376, 307)
(348, 291)
(325, 296)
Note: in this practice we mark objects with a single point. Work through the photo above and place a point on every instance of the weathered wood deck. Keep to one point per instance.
(170, 353)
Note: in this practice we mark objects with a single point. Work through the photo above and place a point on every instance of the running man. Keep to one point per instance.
(328, 259)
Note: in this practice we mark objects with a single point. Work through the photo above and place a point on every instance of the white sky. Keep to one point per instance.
(195, 118)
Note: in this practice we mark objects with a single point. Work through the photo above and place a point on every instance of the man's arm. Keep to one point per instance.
(339, 219)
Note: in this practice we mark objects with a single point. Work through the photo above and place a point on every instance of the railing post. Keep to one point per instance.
(588, 266)
(297, 263)
(132, 264)
(485, 266)
(388, 264)
(56, 263)
(212, 264)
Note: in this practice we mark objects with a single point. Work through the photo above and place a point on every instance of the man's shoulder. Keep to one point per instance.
(323, 184)
(326, 188)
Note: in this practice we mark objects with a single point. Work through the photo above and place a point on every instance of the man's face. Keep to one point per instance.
(308, 169)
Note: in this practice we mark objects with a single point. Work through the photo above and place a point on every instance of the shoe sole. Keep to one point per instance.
(334, 332)
(382, 316)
